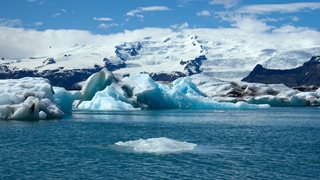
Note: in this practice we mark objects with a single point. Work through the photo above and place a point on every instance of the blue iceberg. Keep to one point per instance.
(141, 91)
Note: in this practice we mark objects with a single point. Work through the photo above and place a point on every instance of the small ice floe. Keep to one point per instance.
(161, 145)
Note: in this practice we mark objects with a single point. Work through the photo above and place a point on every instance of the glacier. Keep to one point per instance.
(165, 54)
(28, 99)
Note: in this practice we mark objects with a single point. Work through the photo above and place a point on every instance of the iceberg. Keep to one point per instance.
(111, 98)
(141, 91)
(160, 145)
(183, 94)
(96, 82)
(28, 99)
(64, 99)
(255, 93)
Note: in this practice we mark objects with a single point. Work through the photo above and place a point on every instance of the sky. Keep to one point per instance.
(112, 16)
(30, 27)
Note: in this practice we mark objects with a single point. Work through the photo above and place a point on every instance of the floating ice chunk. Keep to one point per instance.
(305, 99)
(186, 86)
(140, 90)
(96, 82)
(160, 145)
(183, 95)
(267, 99)
(77, 95)
(63, 99)
(27, 99)
(255, 93)
(148, 93)
(318, 92)
(111, 98)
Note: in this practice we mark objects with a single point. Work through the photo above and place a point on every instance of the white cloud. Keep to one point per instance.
(295, 18)
(10, 22)
(204, 13)
(137, 12)
(180, 26)
(290, 29)
(40, 2)
(39, 23)
(106, 26)
(59, 13)
(56, 14)
(249, 23)
(15, 42)
(227, 3)
(280, 8)
(102, 19)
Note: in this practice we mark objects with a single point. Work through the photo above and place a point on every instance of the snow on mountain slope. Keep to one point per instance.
(289, 59)
(227, 55)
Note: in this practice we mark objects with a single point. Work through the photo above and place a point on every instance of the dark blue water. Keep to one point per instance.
(276, 143)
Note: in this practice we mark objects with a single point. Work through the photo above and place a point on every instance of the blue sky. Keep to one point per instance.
(110, 16)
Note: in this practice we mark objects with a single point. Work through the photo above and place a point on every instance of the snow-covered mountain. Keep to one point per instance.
(164, 57)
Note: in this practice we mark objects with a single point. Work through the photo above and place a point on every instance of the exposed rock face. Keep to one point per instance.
(167, 76)
(193, 66)
(57, 77)
(306, 75)
(125, 50)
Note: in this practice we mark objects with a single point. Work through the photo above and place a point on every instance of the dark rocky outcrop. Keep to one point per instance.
(306, 75)
(49, 61)
(126, 50)
(58, 77)
(167, 76)
(193, 66)
(113, 65)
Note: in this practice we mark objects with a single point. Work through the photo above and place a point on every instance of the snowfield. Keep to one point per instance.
(230, 53)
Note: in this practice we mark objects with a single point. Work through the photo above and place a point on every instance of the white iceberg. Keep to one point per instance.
(27, 99)
(255, 93)
(160, 145)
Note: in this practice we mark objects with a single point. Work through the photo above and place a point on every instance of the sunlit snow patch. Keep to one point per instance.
(160, 145)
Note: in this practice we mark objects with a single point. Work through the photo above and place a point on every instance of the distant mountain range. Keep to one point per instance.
(306, 75)
(164, 58)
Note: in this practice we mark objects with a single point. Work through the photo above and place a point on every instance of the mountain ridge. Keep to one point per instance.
(306, 75)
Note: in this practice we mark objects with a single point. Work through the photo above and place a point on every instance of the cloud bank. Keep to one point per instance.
(248, 35)
(279, 8)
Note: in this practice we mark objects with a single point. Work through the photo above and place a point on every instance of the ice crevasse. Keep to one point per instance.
(140, 91)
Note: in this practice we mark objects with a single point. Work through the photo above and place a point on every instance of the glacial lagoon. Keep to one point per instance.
(272, 143)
